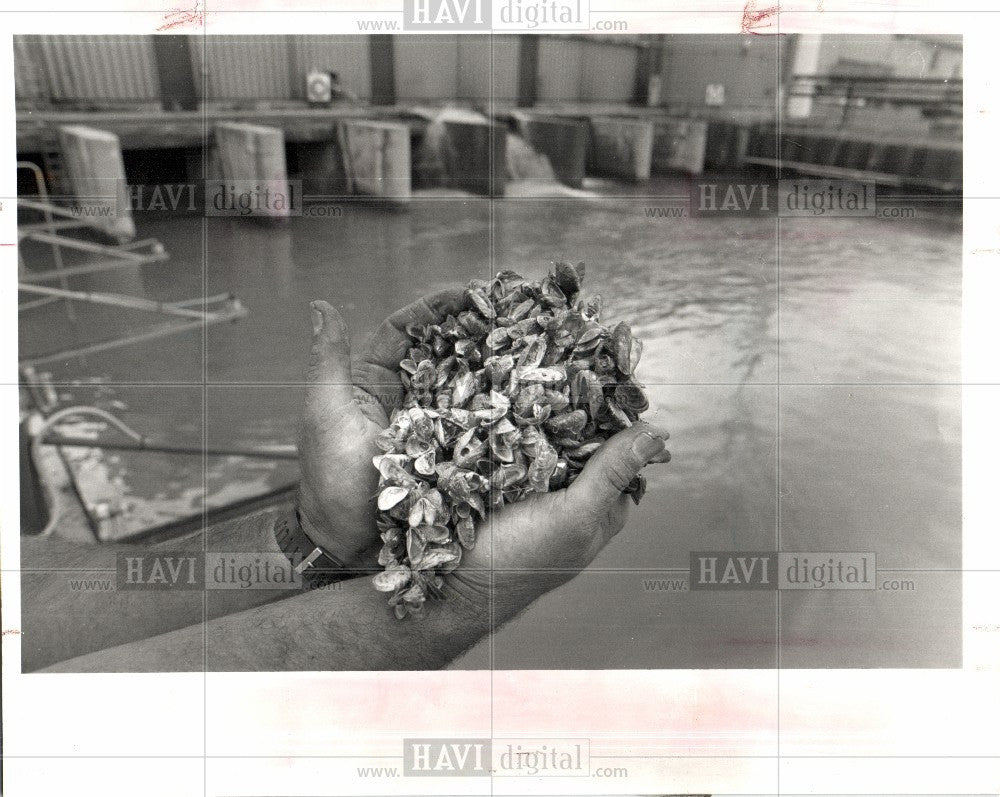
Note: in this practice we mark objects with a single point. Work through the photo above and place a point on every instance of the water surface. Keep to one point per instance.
(807, 372)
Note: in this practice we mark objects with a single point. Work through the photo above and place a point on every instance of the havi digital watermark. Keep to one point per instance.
(784, 198)
(787, 570)
(480, 757)
(429, 15)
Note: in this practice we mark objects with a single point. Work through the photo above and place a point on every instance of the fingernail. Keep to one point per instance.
(646, 446)
(661, 458)
(317, 318)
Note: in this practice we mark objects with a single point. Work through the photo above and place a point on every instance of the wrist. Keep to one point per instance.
(495, 596)
(470, 592)
(465, 608)
(357, 622)
(316, 527)
(312, 563)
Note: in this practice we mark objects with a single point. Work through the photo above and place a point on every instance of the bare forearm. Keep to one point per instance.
(71, 604)
(346, 627)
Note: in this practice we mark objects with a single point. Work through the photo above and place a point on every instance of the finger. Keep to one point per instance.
(611, 468)
(328, 378)
(390, 343)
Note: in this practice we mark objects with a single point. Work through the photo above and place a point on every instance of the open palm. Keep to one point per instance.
(347, 404)
(532, 545)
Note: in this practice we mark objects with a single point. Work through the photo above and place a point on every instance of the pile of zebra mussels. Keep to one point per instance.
(508, 399)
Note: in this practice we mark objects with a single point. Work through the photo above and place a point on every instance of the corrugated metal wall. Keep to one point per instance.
(474, 68)
(115, 68)
(560, 63)
(426, 67)
(448, 67)
(345, 55)
(608, 71)
(746, 65)
(243, 67)
(123, 68)
(275, 67)
(586, 70)
(97, 69)
(30, 83)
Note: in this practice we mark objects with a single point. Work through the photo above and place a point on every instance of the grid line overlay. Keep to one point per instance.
(777, 410)
(206, 383)
(492, 322)
(204, 390)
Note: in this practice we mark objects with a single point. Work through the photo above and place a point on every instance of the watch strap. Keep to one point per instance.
(315, 566)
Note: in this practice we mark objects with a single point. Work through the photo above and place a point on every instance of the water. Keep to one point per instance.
(844, 370)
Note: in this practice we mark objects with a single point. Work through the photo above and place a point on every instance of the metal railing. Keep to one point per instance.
(934, 97)
(186, 314)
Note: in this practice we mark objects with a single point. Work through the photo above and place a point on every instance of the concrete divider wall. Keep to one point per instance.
(322, 166)
(378, 158)
(679, 145)
(563, 141)
(96, 175)
(475, 155)
(255, 156)
(726, 144)
(929, 163)
(461, 150)
(620, 147)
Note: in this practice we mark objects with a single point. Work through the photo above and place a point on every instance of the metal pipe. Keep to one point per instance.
(89, 268)
(282, 453)
(133, 245)
(47, 209)
(32, 304)
(199, 300)
(115, 300)
(27, 230)
(87, 246)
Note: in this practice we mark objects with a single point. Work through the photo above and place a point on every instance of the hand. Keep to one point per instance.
(534, 545)
(531, 547)
(346, 406)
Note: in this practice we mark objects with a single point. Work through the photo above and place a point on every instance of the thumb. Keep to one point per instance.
(328, 378)
(611, 468)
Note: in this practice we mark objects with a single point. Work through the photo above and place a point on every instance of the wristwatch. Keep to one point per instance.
(316, 567)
